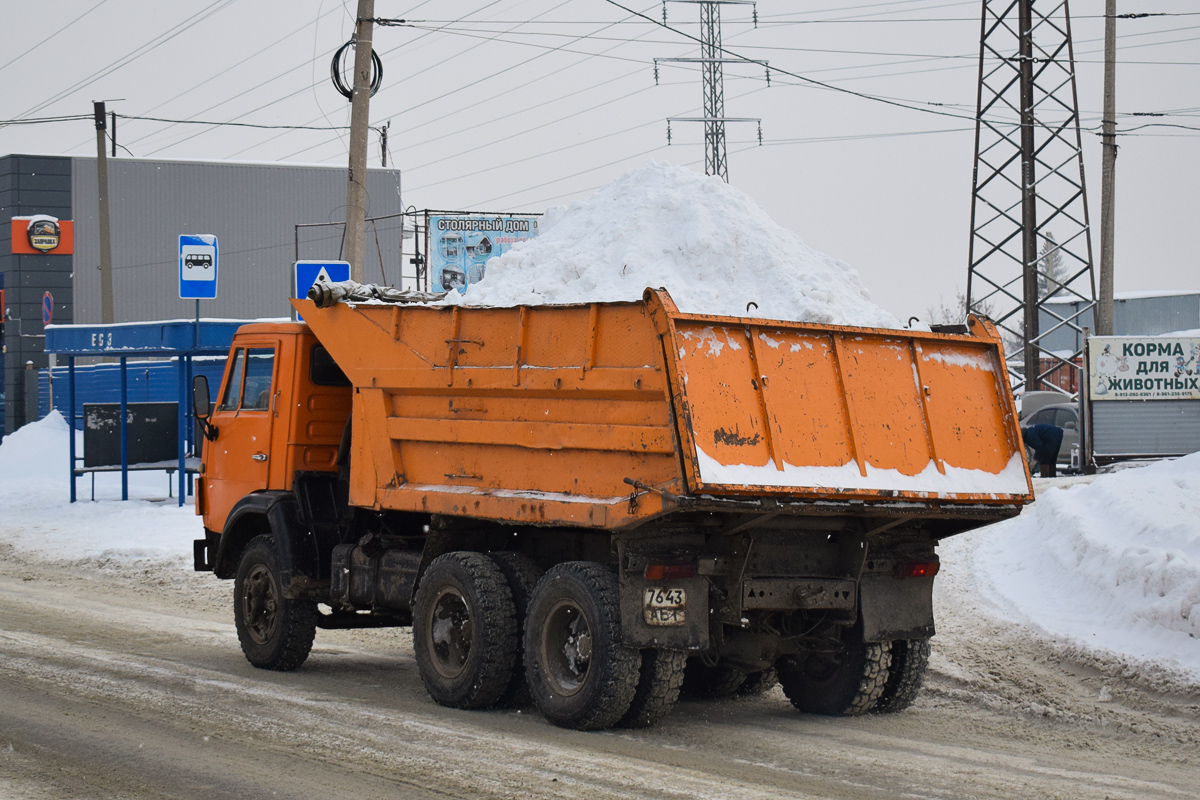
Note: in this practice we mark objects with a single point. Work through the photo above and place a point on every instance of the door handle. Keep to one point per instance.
(259, 456)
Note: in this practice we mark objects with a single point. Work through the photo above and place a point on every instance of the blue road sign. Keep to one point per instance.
(307, 273)
(47, 308)
(197, 266)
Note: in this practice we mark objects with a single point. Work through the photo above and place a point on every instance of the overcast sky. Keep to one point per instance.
(517, 105)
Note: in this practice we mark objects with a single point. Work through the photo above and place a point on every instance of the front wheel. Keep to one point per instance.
(465, 631)
(275, 632)
(847, 680)
(580, 674)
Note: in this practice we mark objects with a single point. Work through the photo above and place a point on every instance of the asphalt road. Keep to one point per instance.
(126, 681)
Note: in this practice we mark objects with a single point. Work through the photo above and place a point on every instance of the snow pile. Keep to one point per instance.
(707, 243)
(1112, 565)
(35, 514)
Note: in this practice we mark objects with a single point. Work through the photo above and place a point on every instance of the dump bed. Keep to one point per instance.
(607, 414)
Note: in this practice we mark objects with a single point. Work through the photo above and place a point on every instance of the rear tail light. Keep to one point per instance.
(917, 569)
(667, 572)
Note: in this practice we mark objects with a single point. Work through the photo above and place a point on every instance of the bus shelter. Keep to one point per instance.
(180, 340)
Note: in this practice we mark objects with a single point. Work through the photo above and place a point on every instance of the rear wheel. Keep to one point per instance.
(719, 680)
(522, 575)
(580, 674)
(465, 631)
(847, 681)
(906, 674)
(659, 681)
(275, 632)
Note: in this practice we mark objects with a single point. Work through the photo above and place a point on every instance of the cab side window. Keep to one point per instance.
(233, 390)
(249, 387)
(260, 364)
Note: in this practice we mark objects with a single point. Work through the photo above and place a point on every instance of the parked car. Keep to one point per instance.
(1063, 415)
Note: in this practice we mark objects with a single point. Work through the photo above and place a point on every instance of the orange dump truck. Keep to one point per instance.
(590, 506)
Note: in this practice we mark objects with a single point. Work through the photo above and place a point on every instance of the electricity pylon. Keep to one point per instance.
(716, 160)
(1029, 217)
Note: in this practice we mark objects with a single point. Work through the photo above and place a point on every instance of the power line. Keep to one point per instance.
(150, 46)
(472, 83)
(382, 53)
(57, 31)
(266, 105)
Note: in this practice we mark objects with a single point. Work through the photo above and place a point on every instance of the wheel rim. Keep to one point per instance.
(451, 632)
(260, 604)
(567, 647)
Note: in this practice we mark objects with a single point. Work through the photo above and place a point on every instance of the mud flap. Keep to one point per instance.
(896, 608)
(680, 627)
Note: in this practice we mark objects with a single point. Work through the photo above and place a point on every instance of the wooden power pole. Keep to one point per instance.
(106, 278)
(1108, 175)
(356, 185)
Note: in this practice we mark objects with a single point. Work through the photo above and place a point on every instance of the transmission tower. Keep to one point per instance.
(716, 161)
(1030, 260)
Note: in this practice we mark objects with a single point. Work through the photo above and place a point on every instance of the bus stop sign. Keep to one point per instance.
(198, 266)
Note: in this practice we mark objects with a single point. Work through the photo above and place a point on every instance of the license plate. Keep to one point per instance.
(664, 605)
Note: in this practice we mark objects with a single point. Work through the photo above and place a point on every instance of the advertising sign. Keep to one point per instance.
(461, 244)
(1144, 368)
(42, 234)
(197, 266)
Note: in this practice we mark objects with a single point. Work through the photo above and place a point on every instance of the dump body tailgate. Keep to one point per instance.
(828, 412)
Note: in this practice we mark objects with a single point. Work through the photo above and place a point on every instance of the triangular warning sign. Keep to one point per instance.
(322, 276)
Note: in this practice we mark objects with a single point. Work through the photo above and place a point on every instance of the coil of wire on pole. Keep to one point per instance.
(337, 71)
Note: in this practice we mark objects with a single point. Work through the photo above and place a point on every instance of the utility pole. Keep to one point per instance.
(106, 281)
(356, 185)
(1108, 177)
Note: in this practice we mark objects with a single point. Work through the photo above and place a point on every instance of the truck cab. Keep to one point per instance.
(280, 410)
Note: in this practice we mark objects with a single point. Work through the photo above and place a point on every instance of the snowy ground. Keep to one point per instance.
(36, 517)
(1110, 566)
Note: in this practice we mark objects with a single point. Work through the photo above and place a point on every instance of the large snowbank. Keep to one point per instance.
(35, 514)
(707, 243)
(1111, 565)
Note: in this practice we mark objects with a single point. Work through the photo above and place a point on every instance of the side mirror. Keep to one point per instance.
(201, 406)
(1070, 426)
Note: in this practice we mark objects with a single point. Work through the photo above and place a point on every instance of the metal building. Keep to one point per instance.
(252, 208)
(1134, 314)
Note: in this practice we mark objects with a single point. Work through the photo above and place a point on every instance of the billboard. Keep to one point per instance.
(461, 244)
(1144, 368)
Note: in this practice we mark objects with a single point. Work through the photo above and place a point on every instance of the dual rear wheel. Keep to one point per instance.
(488, 631)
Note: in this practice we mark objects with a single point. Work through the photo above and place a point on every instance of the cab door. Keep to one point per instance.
(239, 458)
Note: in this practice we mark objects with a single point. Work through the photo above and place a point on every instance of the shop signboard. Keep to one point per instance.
(461, 244)
(1144, 368)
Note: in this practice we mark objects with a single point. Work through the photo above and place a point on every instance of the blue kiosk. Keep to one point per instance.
(178, 339)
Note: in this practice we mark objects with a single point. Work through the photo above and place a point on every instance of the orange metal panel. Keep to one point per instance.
(830, 412)
(498, 407)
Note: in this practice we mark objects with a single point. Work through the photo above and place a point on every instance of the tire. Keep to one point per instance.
(757, 683)
(906, 674)
(522, 575)
(843, 684)
(721, 680)
(660, 679)
(465, 631)
(580, 674)
(276, 633)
